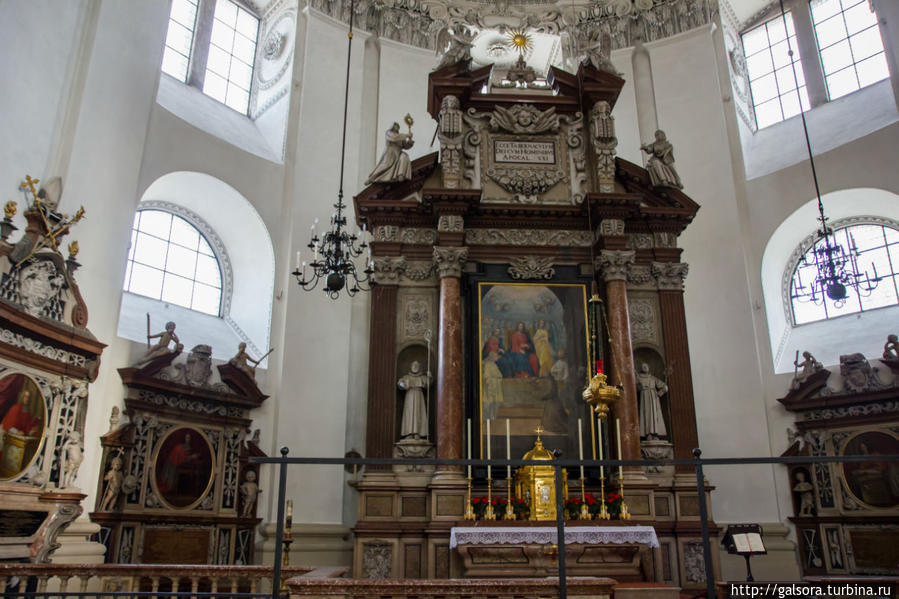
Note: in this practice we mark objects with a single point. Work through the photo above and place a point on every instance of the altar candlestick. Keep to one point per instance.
(618, 434)
(602, 469)
(508, 449)
(488, 449)
(469, 448)
(298, 260)
(289, 518)
(580, 444)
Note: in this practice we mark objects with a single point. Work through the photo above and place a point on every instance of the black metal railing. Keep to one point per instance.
(26, 586)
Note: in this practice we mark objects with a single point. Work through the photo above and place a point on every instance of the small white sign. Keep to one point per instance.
(528, 152)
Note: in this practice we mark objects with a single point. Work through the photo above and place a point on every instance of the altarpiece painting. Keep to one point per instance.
(532, 348)
(183, 468)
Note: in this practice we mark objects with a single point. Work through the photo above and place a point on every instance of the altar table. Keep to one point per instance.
(545, 535)
(621, 552)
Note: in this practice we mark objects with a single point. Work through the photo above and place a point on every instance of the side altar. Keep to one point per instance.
(514, 267)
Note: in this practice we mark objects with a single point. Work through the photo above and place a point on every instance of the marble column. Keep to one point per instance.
(381, 419)
(670, 278)
(613, 265)
(449, 262)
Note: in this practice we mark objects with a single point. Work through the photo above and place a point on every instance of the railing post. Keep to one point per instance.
(279, 527)
(560, 534)
(704, 519)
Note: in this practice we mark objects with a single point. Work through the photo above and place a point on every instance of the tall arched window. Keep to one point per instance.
(170, 260)
(878, 255)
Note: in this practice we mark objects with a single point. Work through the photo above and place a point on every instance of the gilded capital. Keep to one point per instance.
(670, 276)
(614, 264)
(389, 269)
(450, 260)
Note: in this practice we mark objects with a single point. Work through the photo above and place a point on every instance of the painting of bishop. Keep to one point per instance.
(532, 347)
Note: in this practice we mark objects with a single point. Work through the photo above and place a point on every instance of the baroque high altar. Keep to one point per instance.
(487, 255)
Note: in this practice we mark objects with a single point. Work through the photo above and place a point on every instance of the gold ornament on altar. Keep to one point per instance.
(409, 122)
(73, 249)
(9, 210)
(537, 484)
(601, 395)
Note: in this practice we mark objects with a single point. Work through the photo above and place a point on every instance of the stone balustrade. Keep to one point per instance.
(518, 588)
(60, 579)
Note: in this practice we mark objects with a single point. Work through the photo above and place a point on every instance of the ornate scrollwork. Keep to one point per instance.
(525, 183)
(531, 267)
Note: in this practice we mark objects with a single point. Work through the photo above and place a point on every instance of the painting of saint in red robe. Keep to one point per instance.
(183, 469)
(22, 419)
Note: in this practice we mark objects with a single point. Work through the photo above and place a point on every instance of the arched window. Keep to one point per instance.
(170, 260)
(877, 244)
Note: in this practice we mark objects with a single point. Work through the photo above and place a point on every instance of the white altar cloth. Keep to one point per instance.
(544, 535)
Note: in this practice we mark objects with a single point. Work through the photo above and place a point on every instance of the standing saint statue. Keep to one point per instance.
(415, 413)
(651, 389)
(661, 162)
(394, 164)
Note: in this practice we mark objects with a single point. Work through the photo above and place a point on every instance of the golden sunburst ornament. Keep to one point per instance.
(520, 40)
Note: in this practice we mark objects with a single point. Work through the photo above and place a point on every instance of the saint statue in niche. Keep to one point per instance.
(22, 418)
(415, 413)
(183, 468)
(651, 389)
(394, 164)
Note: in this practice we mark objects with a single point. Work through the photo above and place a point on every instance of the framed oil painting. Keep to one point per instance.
(531, 346)
(23, 416)
(873, 483)
(183, 467)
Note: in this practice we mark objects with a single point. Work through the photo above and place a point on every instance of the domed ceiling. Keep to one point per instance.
(418, 22)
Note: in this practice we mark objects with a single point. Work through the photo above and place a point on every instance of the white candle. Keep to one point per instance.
(618, 433)
(508, 449)
(298, 260)
(469, 447)
(488, 448)
(602, 469)
(580, 444)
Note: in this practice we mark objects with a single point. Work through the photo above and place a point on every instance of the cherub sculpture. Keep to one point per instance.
(249, 491)
(241, 360)
(162, 346)
(73, 450)
(804, 369)
(891, 348)
(113, 479)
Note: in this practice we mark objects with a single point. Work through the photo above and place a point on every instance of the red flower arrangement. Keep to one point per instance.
(479, 505)
(573, 505)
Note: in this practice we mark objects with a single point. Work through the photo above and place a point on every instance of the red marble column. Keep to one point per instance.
(381, 417)
(449, 262)
(614, 266)
(670, 278)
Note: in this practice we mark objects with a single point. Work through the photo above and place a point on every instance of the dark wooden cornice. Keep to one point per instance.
(384, 200)
(133, 377)
(79, 341)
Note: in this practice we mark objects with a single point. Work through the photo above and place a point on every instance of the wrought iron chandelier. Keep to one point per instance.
(836, 267)
(334, 254)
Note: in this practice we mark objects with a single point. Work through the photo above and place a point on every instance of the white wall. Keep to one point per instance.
(728, 392)
(107, 148)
